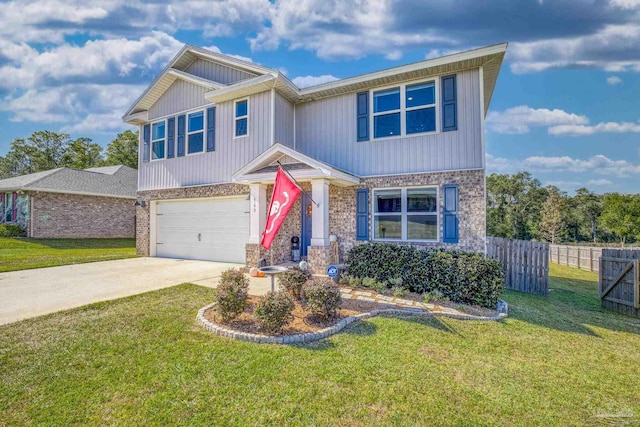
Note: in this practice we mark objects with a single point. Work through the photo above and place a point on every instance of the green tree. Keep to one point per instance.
(621, 215)
(42, 151)
(589, 208)
(553, 224)
(123, 150)
(81, 153)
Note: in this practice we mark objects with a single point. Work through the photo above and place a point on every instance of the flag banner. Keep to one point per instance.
(285, 193)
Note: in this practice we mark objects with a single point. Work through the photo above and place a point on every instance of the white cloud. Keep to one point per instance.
(520, 119)
(608, 127)
(599, 182)
(614, 80)
(306, 81)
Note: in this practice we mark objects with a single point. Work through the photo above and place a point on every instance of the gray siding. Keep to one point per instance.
(326, 130)
(217, 72)
(284, 121)
(180, 96)
(218, 166)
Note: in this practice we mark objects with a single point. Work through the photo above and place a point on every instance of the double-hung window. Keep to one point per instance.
(241, 117)
(7, 209)
(404, 110)
(195, 133)
(158, 138)
(408, 214)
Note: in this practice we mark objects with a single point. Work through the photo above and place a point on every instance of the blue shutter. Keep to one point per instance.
(450, 214)
(211, 129)
(181, 122)
(362, 214)
(363, 116)
(146, 134)
(171, 134)
(449, 109)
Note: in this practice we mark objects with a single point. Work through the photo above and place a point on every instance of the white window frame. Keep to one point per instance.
(236, 118)
(151, 140)
(403, 109)
(187, 133)
(404, 214)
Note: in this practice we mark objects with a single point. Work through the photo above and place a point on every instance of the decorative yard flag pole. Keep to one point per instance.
(285, 193)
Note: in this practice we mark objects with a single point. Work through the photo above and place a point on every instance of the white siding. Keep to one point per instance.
(217, 166)
(284, 121)
(180, 96)
(217, 72)
(326, 130)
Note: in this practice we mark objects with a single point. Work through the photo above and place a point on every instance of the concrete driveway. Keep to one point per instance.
(30, 293)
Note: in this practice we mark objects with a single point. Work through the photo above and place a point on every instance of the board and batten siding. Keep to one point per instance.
(217, 72)
(217, 166)
(284, 121)
(326, 130)
(181, 96)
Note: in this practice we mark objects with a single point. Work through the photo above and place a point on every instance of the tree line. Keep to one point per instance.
(45, 150)
(519, 207)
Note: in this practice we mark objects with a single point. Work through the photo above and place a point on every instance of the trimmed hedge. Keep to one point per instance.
(465, 277)
(322, 297)
(11, 230)
(232, 294)
(292, 281)
(273, 311)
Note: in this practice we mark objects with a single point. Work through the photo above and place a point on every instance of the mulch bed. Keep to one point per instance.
(303, 320)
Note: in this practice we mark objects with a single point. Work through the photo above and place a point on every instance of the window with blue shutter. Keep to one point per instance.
(171, 134)
(449, 109)
(450, 214)
(181, 129)
(146, 135)
(362, 214)
(363, 116)
(211, 129)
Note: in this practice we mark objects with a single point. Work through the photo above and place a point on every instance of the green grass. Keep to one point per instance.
(142, 360)
(23, 254)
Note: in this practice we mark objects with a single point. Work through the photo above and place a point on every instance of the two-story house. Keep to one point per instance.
(396, 155)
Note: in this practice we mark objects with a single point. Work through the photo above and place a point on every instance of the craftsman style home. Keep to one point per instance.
(396, 155)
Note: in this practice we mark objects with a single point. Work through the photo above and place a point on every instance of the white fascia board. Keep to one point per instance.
(138, 118)
(78, 193)
(200, 81)
(214, 95)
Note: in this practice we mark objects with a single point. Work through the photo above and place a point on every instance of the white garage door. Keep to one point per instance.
(212, 230)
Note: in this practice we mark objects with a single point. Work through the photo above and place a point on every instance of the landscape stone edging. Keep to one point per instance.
(326, 332)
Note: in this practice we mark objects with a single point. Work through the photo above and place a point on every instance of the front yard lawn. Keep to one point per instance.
(23, 254)
(143, 360)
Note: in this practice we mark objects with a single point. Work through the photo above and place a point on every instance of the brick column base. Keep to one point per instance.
(319, 258)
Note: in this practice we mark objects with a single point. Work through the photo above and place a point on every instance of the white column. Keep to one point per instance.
(320, 216)
(258, 209)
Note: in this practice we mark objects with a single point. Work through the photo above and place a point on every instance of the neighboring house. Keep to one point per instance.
(396, 155)
(63, 202)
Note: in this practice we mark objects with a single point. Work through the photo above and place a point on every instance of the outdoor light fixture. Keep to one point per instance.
(140, 203)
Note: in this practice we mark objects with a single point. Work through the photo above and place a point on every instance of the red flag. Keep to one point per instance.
(285, 194)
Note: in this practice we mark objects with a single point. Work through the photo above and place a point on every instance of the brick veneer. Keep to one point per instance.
(76, 216)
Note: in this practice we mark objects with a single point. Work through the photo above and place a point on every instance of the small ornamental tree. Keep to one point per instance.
(292, 282)
(232, 294)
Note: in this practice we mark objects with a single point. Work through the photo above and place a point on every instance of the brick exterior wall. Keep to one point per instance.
(76, 216)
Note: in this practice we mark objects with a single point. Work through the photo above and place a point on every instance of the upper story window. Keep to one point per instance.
(405, 214)
(195, 133)
(241, 117)
(404, 110)
(158, 137)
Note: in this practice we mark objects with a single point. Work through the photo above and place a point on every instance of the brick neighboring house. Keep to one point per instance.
(396, 155)
(72, 203)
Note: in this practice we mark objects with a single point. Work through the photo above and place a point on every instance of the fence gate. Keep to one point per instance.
(619, 281)
(525, 263)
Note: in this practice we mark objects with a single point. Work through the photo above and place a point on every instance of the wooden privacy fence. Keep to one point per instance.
(584, 257)
(525, 264)
(619, 280)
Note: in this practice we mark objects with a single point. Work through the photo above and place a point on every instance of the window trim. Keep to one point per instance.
(7, 207)
(404, 214)
(151, 140)
(187, 133)
(403, 109)
(236, 118)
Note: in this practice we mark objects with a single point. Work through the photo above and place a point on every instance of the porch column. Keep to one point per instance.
(320, 217)
(258, 209)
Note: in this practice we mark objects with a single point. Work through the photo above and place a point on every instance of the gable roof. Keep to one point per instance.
(109, 181)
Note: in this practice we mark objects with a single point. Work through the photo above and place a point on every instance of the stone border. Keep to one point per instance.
(326, 332)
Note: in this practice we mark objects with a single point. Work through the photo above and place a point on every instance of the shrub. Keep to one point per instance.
(232, 294)
(465, 277)
(292, 282)
(371, 283)
(11, 230)
(322, 297)
(273, 311)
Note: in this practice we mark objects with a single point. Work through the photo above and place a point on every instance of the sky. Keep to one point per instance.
(566, 106)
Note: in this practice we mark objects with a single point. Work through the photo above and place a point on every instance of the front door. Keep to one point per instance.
(305, 234)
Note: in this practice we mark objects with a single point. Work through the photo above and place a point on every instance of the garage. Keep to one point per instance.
(209, 230)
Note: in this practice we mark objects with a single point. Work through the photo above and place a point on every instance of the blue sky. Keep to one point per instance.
(565, 107)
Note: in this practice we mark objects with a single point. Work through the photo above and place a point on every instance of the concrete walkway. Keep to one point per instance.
(29, 293)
